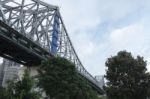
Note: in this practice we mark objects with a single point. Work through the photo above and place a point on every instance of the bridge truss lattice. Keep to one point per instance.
(42, 23)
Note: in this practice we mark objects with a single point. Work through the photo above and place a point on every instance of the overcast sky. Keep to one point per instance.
(101, 28)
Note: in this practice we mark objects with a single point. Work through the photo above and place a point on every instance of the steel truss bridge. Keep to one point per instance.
(32, 30)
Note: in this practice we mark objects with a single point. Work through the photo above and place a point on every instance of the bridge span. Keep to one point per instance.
(32, 31)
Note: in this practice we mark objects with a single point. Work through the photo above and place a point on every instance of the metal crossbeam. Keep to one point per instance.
(42, 24)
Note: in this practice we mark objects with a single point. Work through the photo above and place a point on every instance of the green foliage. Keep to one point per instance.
(85, 91)
(58, 76)
(4, 94)
(24, 88)
(20, 89)
(60, 80)
(127, 77)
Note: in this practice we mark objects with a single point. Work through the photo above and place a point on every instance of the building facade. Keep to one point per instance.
(10, 70)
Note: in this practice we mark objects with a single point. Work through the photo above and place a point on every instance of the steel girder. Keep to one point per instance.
(35, 20)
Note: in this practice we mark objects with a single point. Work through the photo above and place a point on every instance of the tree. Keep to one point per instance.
(26, 87)
(127, 77)
(4, 94)
(23, 89)
(85, 91)
(60, 80)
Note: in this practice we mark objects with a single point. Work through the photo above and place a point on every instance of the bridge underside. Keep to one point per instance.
(16, 47)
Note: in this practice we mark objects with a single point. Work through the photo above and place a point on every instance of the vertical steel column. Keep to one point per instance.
(56, 30)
